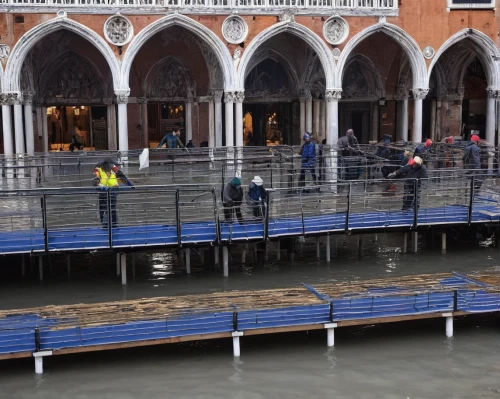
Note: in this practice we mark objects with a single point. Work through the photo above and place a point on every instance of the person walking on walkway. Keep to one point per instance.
(423, 149)
(308, 163)
(172, 139)
(256, 196)
(232, 197)
(472, 161)
(348, 142)
(415, 169)
(107, 176)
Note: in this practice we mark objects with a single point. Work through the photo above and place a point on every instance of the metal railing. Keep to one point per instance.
(87, 218)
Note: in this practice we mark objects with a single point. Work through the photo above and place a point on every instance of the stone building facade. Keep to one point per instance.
(118, 74)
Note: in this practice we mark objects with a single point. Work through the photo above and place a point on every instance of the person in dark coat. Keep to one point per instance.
(415, 169)
(384, 153)
(256, 196)
(74, 143)
(423, 149)
(308, 153)
(472, 161)
(348, 142)
(232, 197)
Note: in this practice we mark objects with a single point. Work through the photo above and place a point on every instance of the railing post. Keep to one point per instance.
(216, 217)
(471, 200)
(348, 208)
(416, 191)
(178, 217)
(110, 227)
(44, 221)
(302, 213)
(266, 222)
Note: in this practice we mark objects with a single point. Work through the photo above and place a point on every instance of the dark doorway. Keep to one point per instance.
(267, 124)
(357, 124)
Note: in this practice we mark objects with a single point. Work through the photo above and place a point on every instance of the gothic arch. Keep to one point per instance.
(11, 78)
(275, 56)
(222, 55)
(168, 67)
(410, 46)
(313, 40)
(374, 84)
(488, 56)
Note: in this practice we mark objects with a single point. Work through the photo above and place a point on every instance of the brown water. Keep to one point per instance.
(405, 360)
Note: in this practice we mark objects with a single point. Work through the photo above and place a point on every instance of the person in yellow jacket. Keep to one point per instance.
(107, 176)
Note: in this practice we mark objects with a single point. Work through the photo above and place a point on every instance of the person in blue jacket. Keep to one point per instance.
(308, 153)
(172, 139)
(256, 196)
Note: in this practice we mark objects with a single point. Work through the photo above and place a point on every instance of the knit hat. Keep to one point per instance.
(258, 181)
(475, 138)
(307, 136)
(236, 182)
(428, 142)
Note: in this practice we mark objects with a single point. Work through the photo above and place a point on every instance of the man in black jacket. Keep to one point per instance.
(414, 170)
(232, 197)
(472, 161)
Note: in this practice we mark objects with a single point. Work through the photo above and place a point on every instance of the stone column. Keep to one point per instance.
(332, 97)
(441, 93)
(238, 116)
(374, 133)
(28, 122)
(229, 98)
(302, 116)
(402, 123)
(493, 95)
(322, 119)
(19, 126)
(111, 123)
(217, 94)
(418, 94)
(45, 130)
(7, 99)
(211, 120)
(189, 120)
(309, 114)
(144, 121)
(316, 112)
(433, 119)
(122, 101)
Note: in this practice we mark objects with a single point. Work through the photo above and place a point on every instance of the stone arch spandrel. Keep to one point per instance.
(409, 45)
(489, 54)
(374, 86)
(302, 32)
(181, 86)
(221, 52)
(11, 78)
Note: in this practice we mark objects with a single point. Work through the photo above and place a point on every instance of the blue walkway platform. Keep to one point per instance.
(91, 238)
(87, 327)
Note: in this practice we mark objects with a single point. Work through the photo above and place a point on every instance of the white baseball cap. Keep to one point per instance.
(258, 181)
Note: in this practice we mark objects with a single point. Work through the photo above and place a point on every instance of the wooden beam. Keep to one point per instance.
(274, 330)
(18, 355)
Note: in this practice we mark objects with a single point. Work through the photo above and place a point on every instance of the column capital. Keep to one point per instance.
(419, 93)
(142, 100)
(107, 101)
(122, 96)
(234, 96)
(493, 93)
(28, 97)
(402, 93)
(304, 94)
(215, 95)
(333, 95)
(10, 98)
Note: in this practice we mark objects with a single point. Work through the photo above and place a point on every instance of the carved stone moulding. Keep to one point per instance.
(118, 30)
(234, 29)
(428, 52)
(335, 30)
(419, 93)
(333, 95)
(4, 51)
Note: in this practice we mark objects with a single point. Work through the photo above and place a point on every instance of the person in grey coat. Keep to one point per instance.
(472, 161)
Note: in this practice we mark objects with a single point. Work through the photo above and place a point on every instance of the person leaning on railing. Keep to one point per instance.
(232, 197)
(415, 169)
(256, 196)
(107, 176)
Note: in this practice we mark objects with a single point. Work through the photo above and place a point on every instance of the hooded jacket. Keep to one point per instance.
(232, 195)
(308, 152)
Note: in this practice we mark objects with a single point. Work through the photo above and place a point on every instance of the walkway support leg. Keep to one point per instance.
(443, 243)
(415, 242)
(187, 257)
(244, 254)
(39, 360)
(123, 266)
(216, 256)
(328, 248)
(225, 261)
(405, 242)
(318, 252)
(278, 250)
(449, 324)
(118, 264)
(236, 343)
(330, 334)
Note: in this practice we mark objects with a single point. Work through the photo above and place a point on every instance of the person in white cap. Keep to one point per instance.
(256, 195)
(415, 169)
